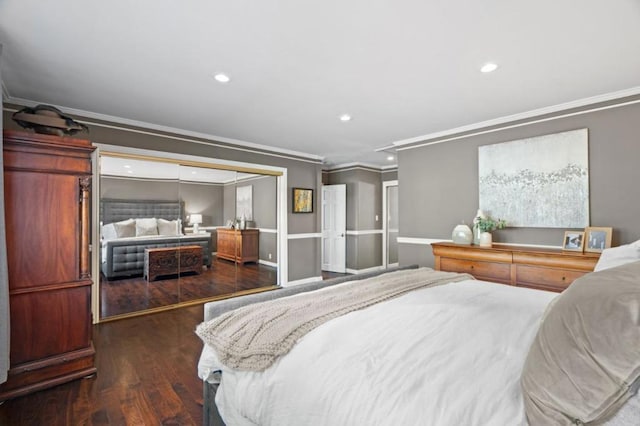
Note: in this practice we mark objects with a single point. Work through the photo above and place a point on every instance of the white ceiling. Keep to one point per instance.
(401, 69)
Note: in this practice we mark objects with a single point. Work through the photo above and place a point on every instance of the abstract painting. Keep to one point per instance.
(302, 200)
(244, 202)
(539, 182)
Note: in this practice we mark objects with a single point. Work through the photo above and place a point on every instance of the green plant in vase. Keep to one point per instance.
(486, 225)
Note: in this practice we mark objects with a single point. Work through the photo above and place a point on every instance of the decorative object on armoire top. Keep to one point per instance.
(462, 234)
(48, 120)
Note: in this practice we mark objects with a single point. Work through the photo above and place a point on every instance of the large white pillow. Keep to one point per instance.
(617, 256)
(146, 226)
(109, 232)
(168, 227)
(125, 228)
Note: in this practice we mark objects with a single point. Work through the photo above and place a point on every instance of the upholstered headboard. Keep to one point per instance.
(112, 210)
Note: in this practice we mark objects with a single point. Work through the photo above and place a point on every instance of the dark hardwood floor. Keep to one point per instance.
(147, 375)
(126, 295)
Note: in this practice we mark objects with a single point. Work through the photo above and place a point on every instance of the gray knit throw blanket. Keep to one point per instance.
(251, 338)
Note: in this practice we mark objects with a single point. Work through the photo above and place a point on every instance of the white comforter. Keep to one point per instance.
(449, 355)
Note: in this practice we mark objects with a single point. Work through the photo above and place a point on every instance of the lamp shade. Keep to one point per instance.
(195, 219)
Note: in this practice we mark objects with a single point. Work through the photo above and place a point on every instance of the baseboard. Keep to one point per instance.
(267, 263)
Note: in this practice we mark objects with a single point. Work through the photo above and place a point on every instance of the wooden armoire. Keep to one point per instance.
(47, 183)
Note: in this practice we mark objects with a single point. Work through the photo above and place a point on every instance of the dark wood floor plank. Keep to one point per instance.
(147, 375)
(132, 294)
(147, 366)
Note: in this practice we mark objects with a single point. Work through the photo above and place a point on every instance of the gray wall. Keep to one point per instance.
(389, 175)
(438, 184)
(303, 262)
(198, 197)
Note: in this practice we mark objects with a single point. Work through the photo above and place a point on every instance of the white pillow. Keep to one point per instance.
(616, 256)
(147, 226)
(109, 232)
(125, 228)
(168, 227)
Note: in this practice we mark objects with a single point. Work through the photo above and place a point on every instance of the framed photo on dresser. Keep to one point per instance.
(573, 241)
(597, 239)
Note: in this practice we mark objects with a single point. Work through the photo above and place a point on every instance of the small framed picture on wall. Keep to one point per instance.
(302, 200)
(573, 241)
(597, 239)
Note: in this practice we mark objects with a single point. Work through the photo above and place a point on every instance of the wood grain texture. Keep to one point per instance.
(49, 295)
(146, 376)
(238, 245)
(545, 269)
(125, 295)
(172, 261)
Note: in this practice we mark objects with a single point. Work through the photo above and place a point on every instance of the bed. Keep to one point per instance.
(131, 226)
(468, 352)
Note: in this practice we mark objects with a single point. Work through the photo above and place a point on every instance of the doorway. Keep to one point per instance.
(334, 224)
(390, 223)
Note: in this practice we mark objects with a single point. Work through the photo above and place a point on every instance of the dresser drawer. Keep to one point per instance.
(490, 271)
(545, 278)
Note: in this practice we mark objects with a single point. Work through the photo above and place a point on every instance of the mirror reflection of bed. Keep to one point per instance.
(148, 243)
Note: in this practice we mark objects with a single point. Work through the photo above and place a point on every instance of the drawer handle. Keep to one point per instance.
(471, 266)
(564, 278)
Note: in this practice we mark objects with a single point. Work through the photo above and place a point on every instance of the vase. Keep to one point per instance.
(462, 234)
(486, 239)
(476, 229)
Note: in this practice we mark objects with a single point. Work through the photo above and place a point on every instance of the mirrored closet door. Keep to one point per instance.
(173, 233)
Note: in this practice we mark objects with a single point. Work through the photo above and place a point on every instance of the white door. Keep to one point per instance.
(334, 228)
(390, 223)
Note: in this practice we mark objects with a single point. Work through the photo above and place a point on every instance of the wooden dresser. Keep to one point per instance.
(238, 245)
(47, 182)
(545, 269)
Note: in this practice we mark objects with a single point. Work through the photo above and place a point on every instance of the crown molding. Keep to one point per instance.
(503, 122)
(235, 144)
(362, 166)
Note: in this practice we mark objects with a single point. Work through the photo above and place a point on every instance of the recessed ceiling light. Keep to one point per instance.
(222, 78)
(345, 117)
(489, 67)
(391, 158)
(194, 172)
(129, 171)
(126, 166)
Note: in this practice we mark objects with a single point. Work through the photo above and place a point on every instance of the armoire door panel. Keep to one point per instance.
(41, 248)
(45, 323)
